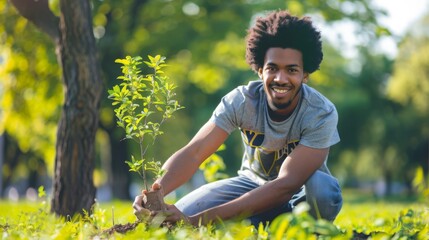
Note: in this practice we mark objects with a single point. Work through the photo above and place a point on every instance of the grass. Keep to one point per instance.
(384, 217)
(362, 215)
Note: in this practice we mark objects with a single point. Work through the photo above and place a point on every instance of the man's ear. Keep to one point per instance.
(260, 73)
(305, 80)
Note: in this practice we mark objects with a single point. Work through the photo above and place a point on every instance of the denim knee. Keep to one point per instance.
(323, 194)
(214, 194)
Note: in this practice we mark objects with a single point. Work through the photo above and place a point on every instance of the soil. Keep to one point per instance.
(360, 236)
(154, 201)
(121, 228)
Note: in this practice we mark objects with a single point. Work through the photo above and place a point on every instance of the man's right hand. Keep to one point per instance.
(138, 205)
(155, 187)
(139, 210)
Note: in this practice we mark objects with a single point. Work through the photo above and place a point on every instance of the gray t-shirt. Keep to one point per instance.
(267, 143)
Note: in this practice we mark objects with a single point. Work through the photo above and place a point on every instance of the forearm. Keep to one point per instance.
(272, 194)
(184, 163)
(179, 169)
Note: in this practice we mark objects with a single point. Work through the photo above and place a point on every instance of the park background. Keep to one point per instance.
(376, 76)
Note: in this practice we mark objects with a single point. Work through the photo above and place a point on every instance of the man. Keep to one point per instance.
(287, 129)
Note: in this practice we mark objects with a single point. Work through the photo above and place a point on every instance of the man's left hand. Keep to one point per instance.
(174, 215)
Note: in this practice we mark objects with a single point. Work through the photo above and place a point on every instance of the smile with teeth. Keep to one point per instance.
(278, 90)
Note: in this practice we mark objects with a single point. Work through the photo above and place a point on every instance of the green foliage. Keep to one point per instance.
(212, 166)
(142, 103)
(54, 5)
(410, 86)
(378, 220)
(41, 191)
(385, 220)
(300, 225)
(155, 167)
(30, 88)
(421, 184)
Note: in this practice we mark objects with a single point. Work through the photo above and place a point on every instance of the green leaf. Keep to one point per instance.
(122, 61)
(149, 64)
(41, 191)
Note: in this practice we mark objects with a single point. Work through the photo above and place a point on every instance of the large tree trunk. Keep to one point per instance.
(74, 190)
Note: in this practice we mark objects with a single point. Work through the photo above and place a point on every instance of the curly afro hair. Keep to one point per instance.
(281, 29)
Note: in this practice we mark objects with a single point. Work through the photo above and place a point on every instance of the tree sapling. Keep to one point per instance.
(142, 103)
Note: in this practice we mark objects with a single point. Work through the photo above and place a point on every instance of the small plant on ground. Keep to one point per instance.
(142, 103)
(367, 219)
(213, 166)
(421, 184)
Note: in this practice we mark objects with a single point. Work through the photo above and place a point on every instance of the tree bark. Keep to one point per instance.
(38, 13)
(74, 190)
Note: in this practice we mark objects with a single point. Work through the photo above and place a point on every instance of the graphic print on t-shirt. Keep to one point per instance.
(263, 162)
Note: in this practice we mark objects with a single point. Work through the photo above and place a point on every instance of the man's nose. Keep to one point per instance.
(281, 77)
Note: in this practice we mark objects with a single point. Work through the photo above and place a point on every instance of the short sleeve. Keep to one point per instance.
(227, 114)
(321, 129)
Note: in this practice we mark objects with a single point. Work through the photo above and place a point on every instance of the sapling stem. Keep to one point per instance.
(143, 170)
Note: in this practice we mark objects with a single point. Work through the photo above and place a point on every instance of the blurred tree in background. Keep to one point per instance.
(409, 87)
(204, 45)
(76, 52)
(384, 115)
(31, 94)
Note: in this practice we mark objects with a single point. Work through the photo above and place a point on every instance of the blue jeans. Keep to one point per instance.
(321, 191)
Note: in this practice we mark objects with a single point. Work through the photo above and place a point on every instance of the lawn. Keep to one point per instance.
(362, 217)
